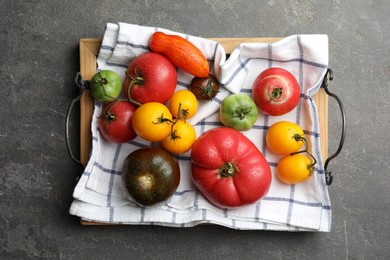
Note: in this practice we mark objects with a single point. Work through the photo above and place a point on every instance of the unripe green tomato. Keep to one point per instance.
(106, 86)
(238, 111)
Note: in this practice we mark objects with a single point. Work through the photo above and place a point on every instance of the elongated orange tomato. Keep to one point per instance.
(180, 52)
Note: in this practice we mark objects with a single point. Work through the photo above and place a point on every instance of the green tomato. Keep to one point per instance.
(106, 86)
(238, 111)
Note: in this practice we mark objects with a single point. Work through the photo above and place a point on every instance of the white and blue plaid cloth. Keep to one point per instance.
(100, 194)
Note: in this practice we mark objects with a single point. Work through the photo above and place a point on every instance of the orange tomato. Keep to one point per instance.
(293, 169)
(183, 104)
(152, 121)
(284, 137)
(181, 138)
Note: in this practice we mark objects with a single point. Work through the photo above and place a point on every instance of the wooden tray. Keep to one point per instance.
(89, 49)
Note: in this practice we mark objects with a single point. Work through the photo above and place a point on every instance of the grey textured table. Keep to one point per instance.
(39, 45)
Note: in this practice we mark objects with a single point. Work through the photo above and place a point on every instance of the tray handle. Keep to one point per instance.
(82, 85)
(329, 174)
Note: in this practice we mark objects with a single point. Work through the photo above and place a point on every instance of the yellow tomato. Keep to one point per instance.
(181, 138)
(293, 169)
(284, 137)
(183, 104)
(152, 121)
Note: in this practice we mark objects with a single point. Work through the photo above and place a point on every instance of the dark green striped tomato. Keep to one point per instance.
(151, 175)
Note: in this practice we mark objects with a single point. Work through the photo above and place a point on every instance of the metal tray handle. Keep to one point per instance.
(329, 174)
(82, 85)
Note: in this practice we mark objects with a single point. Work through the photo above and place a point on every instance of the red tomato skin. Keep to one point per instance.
(269, 80)
(159, 77)
(119, 129)
(216, 147)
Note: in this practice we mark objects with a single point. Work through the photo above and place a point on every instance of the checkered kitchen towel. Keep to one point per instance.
(100, 194)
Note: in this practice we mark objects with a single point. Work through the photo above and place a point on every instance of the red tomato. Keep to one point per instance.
(228, 168)
(183, 53)
(150, 77)
(115, 122)
(276, 91)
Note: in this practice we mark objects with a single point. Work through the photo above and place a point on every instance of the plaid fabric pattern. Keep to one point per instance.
(101, 196)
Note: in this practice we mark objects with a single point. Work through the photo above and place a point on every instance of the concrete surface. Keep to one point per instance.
(39, 59)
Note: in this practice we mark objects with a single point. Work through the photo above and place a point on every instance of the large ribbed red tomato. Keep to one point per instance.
(276, 91)
(228, 168)
(150, 77)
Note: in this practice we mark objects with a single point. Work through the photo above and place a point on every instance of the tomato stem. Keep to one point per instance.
(102, 82)
(229, 169)
(137, 79)
(162, 120)
(108, 115)
(276, 93)
(208, 90)
(182, 113)
(173, 135)
(241, 111)
(311, 166)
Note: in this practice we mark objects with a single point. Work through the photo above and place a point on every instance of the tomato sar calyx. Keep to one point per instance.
(208, 91)
(138, 79)
(182, 113)
(103, 81)
(110, 117)
(205, 88)
(276, 94)
(229, 169)
(242, 111)
(162, 120)
(173, 136)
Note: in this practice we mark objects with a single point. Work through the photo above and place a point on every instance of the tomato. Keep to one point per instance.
(150, 77)
(152, 121)
(293, 169)
(180, 52)
(228, 169)
(276, 91)
(205, 88)
(151, 175)
(238, 111)
(284, 137)
(115, 122)
(183, 104)
(181, 138)
(106, 86)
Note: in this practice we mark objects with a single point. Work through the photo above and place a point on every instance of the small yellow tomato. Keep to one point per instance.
(181, 138)
(293, 169)
(183, 104)
(152, 121)
(284, 137)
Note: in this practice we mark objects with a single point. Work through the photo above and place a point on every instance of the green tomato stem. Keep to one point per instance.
(162, 120)
(138, 79)
(208, 91)
(277, 93)
(102, 82)
(182, 113)
(311, 166)
(229, 169)
(241, 112)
